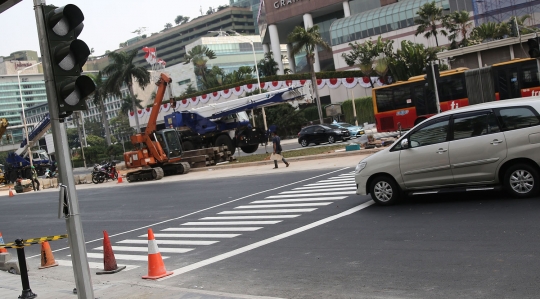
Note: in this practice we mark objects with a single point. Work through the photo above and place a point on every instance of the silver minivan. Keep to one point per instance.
(478, 147)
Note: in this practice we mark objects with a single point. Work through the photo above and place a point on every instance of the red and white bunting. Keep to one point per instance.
(250, 87)
(131, 114)
(378, 81)
(238, 90)
(321, 83)
(194, 101)
(288, 83)
(265, 85)
(302, 82)
(141, 113)
(165, 107)
(226, 93)
(183, 103)
(349, 82)
(333, 83)
(275, 85)
(214, 96)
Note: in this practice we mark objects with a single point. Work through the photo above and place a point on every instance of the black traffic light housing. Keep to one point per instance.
(68, 55)
(534, 47)
(430, 81)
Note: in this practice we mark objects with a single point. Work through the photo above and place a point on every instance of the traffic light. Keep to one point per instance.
(429, 75)
(68, 55)
(534, 47)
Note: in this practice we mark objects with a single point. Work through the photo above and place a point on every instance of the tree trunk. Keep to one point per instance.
(105, 123)
(134, 105)
(314, 85)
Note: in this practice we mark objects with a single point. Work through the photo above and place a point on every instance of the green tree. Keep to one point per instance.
(168, 26)
(371, 57)
(127, 104)
(122, 71)
(98, 98)
(199, 56)
(243, 73)
(410, 60)
(94, 128)
(490, 31)
(180, 19)
(429, 16)
(288, 120)
(94, 140)
(267, 66)
(308, 40)
(73, 137)
(121, 129)
(189, 90)
(459, 26)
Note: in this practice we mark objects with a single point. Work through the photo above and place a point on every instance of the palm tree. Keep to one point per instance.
(98, 98)
(308, 40)
(122, 71)
(458, 25)
(429, 14)
(490, 31)
(127, 104)
(199, 56)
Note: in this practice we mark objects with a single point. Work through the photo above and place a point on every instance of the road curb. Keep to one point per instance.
(301, 158)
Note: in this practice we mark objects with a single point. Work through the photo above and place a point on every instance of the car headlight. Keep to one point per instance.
(338, 132)
(360, 167)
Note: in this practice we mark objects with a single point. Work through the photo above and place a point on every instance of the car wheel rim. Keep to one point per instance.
(522, 181)
(383, 191)
(331, 139)
(304, 143)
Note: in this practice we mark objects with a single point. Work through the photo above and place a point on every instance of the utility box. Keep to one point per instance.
(352, 147)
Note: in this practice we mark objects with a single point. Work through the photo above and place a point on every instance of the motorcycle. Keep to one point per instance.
(103, 172)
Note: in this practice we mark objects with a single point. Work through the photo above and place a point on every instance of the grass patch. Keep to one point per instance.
(293, 153)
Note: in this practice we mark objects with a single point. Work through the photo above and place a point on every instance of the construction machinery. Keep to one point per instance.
(159, 153)
(227, 123)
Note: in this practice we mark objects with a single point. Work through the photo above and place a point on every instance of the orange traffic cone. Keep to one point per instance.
(47, 258)
(119, 178)
(10, 192)
(156, 268)
(2, 250)
(109, 261)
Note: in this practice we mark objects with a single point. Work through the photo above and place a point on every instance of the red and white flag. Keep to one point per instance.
(150, 55)
(162, 62)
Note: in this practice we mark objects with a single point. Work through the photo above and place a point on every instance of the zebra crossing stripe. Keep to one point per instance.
(94, 265)
(145, 249)
(168, 242)
(297, 199)
(312, 194)
(128, 257)
(335, 183)
(338, 179)
(232, 223)
(210, 236)
(314, 204)
(249, 217)
(211, 229)
(326, 186)
(319, 190)
(267, 211)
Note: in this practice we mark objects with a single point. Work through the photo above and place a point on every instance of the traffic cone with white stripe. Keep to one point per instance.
(119, 178)
(10, 192)
(156, 267)
(2, 250)
(109, 261)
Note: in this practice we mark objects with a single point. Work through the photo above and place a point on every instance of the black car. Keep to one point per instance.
(322, 133)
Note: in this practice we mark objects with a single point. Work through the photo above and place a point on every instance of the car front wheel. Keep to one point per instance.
(384, 191)
(331, 139)
(304, 143)
(521, 180)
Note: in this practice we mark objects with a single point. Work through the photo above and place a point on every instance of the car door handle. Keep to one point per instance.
(442, 150)
(496, 141)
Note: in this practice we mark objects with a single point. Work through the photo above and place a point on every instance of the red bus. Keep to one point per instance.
(406, 103)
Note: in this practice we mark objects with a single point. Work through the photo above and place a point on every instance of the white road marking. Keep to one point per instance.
(319, 190)
(209, 236)
(268, 211)
(94, 265)
(232, 223)
(249, 217)
(346, 175)
(337, 181)
(211, 229)
(325, 186)
(145, 249)
(168, 242)
(265, 242)
(202, 210)
(312, 194)
(128, 257)
(290, 205)
(297, 199)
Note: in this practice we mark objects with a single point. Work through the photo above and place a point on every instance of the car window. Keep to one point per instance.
(518, 117)
(344, 125)
(309, 130)
(334, 127)
(466, 126)
(432, 133)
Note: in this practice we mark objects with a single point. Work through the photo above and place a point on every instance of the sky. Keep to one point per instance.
(107, 23)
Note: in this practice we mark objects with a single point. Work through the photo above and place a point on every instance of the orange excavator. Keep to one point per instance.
(157, 152)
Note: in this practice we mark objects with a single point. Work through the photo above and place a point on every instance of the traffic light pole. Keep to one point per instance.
(73, 222)
(435, 85)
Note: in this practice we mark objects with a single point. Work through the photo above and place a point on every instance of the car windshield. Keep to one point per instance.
(333, 127)
(345, 125)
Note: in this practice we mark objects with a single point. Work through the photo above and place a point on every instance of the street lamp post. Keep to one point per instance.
(23, 114)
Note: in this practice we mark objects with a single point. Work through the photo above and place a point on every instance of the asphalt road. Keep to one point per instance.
(474, 245)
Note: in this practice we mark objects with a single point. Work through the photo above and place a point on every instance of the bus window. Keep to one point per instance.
(529, 75)
(384, 99)
(402, 97)
(452, 88)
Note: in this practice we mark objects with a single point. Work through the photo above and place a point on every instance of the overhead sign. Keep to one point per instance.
(283, 3)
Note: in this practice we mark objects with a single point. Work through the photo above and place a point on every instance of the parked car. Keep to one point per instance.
(355, 131)
(322, 133)
(478, 147)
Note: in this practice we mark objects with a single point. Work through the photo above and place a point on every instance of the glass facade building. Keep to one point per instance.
(378, 21)
(253, 4)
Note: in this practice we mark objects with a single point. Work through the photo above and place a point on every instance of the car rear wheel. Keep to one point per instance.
(331, 139)
(304, 143)
(384, 190)
(521, 180)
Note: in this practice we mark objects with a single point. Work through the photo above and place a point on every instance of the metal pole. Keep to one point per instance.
(24, 118)
(81, 140)
(354, 108)
(436, 89)
(26, 292)
(74, 227)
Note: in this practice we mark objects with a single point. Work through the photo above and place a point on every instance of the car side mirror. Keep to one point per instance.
(405, 143)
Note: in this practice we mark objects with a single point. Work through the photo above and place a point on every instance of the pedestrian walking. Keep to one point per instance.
(276, 141)
(35, 179)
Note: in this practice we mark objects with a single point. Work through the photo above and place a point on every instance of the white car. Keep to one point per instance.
(478, 147)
